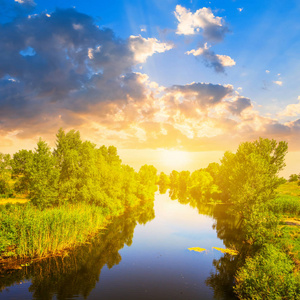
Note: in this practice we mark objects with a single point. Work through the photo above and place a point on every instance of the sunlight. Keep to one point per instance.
(175, 158)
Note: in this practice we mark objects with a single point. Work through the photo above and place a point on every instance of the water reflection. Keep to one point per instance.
(228, 230)
(158, 265)
(78, 272)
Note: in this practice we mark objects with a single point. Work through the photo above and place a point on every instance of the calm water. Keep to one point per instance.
(142, 255)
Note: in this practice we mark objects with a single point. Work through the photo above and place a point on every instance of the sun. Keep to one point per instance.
(175, 159)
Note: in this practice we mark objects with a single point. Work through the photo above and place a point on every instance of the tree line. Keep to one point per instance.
(75, 171)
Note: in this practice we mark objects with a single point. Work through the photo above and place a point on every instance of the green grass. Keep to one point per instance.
(26, 231)
(288, 200)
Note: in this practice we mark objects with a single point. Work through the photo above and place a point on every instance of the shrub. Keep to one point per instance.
(268, 275)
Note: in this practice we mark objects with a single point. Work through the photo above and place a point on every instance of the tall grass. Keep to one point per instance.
(288, 199)
(286, 204)
(26, 231)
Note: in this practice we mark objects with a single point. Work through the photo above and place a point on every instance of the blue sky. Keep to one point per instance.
(184, 75)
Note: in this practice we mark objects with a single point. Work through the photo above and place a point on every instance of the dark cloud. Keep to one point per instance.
(72, 67)
(205, 94)
(238, 105)
(211, 59)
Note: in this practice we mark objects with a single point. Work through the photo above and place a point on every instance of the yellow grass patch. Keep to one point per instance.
(229, 251)
(197, 249)
(13, 200)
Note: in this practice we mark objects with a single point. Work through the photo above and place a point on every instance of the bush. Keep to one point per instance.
(268, 275)
(293, 177)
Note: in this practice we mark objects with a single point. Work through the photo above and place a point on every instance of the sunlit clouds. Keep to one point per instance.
(143, 48)
(60, 69)
(203, 22)
(216, 61)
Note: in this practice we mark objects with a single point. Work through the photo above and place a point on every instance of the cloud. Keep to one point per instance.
(216, 61)
(202, 21)
(237, 106)
(240, 9)
(267, 71)
(278, 82)
(81, 76)
(291, 110)
(26, 2)
(143, 48)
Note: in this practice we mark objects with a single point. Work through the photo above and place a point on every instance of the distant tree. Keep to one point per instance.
(293, 177)
(163, 182)
(203, 186)
(147, 179)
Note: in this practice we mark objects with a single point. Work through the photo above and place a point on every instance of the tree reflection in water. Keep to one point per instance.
(229, 231)
(79, 270)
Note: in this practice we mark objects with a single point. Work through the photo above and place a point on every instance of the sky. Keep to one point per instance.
(172, 83)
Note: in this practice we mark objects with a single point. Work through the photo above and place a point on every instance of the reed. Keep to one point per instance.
(29, 232)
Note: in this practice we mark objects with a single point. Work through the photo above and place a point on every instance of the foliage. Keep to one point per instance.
(163, 183)
(293, 177)
(147, 182)
(268, 275)
(20, 164)
(43, 177)
(31, 232)
(250, 176)
(5, 171)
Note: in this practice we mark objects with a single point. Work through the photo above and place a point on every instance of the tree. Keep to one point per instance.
(163, 182)
(147, 182)
(43, 177)
(251, 175)
(5, 174)
(20, 164)
(293, 177)
(250, 179)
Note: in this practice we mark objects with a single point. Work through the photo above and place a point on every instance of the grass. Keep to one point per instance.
(288, 200)
(13, 200)
(287, 204)
(26, 231)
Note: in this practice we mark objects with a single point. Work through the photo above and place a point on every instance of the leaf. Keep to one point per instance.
(229, 251)
(197, 249)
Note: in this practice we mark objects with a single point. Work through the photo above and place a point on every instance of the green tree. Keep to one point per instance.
(5, 174)
(251, 175)
(250, 179)
(163, 182)
(147, 182)
(20, 163)
(293, 177)
(43, 177)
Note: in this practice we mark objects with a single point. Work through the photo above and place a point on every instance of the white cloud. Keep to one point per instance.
(26, 2)
(267, 71)
(291, 110)
(77, 26)
(199, 51)
(278, 82)
(91, 51)
(143, 48)
(217, 61)
(203, 20)
(225, 60)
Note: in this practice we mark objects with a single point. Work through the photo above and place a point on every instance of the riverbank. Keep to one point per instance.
(28, 233)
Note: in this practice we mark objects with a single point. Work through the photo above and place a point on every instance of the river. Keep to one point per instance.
(142, 255)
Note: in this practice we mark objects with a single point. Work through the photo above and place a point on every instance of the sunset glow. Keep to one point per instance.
(189, 75)
(175, 159)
